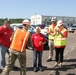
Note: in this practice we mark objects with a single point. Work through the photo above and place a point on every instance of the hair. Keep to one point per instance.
(38, 28)
(7, 21)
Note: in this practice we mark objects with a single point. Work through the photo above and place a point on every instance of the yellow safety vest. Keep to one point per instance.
(59, 40)
(50, 36)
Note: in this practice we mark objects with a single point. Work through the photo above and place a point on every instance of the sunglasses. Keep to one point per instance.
(24, 24)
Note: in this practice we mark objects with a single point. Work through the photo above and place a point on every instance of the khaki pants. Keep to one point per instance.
(51, 48)
(22, 60)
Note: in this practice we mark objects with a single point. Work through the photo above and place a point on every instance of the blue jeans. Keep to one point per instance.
(37, 55)
(3, 51)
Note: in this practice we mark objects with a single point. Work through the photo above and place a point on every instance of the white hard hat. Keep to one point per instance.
(26, 21)
(59, 23)
(53, 19)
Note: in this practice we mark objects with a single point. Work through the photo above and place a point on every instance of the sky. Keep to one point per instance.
(27, 8)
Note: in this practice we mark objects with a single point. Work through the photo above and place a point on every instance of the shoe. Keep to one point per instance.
(55, 65)
(40, 68)
(60, 65)
(49, 60)
(35, 69)
(15, 68)
(1, 70)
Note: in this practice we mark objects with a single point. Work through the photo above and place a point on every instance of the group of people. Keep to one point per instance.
(15, 44)
(57, 40)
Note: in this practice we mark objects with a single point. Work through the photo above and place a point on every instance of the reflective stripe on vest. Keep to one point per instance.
(50, 36)
(19, 40)
(23, 45)
(59, 41)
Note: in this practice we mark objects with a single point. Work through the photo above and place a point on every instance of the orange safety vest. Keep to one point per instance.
(51, 27)
(19, 41)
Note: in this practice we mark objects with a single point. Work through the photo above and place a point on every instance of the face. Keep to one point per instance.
(54, 22)
(60, 27)
(7, 25)
(26, 26)
(38, 31)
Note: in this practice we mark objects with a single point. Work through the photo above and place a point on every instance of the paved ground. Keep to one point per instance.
(69, 67)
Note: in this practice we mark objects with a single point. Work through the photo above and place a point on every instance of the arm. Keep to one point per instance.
(29, 43)
(12, 36)
(64, 34)
(49, 31)
(1, 30)
(44, 41)
(75, 32)
(55, 31)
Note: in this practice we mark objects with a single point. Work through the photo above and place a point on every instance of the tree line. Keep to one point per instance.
(19, 20)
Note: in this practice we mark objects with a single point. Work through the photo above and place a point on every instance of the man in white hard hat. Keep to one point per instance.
(51, 38)
(19, 41)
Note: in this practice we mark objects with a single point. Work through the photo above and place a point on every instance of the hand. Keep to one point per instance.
(75, 32)
(49, 32)
(41, 43)
(53, 33)
(58, 31)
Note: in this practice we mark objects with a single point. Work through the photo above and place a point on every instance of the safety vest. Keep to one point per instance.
(19, 41)
(52, 29)
(59, 40)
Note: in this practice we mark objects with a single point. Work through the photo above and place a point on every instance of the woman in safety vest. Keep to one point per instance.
(20, 38)
(60, 36)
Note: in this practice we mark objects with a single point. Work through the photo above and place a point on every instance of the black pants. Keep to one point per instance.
(59, 54)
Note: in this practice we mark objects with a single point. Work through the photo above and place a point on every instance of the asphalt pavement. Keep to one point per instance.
(69, 64)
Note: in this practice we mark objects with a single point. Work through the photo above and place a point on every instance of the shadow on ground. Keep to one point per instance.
(58, 70)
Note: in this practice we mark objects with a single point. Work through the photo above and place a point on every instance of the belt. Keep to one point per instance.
(52, 39)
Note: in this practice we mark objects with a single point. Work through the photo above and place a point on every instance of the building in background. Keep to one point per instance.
(43, 19)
